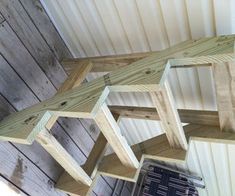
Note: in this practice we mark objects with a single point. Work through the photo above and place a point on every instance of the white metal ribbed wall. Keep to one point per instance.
(109, 27)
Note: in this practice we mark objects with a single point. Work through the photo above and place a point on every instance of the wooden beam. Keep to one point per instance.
(224, 76)
(54, 148)
(112, 63)
(95, 155)
(84, 101)
(158, 148)
(112, 133)
(170, 121)
(67, 184)
(105, 63)
(201, 60)
(77, 76)
(201, 117)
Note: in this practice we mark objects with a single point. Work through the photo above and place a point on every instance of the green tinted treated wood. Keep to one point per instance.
(83, 102)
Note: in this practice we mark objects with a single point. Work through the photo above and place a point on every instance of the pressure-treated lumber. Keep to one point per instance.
(54, 148)
(70, 186)
(201, 117)
(90, 167)
(67, 184)
(112, 133)
(112, 63)
(77, 76)
(224, 76)
(170, 121)
(158, 148)
(105, 63)
(84, 101)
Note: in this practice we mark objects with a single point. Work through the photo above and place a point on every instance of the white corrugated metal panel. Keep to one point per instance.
(214, 163)
(108, 27)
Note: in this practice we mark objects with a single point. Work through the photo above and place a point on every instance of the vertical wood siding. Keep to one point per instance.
(30, 71)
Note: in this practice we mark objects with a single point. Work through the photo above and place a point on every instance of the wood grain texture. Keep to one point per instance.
(66, 182)
(28, 33)
(77, 76)
(19, 97)
(27, 68)
(18, 169)
(46, 28)
(105, 63)
(54, 148)
(96, 154)
(224, 77)
(135, 77)
(35, 152)
(13, 50)
(69, 185)
(112, 133)
(169, 117)
(201, 117)
(158, 148)
(112, 63)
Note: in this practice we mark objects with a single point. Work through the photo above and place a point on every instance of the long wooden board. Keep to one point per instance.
(71, 182)
(112, 63)
(56, 150)
(108, 126)
(224, 75)
(14, 49)
(105, 63)
(169, 117)
(201, 117)
(144, 75)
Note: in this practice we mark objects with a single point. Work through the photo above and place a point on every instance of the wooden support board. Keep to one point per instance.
(87, 101)
(224, 76)
(112, 63)
(158, 148)
(112, 133)
(105, 63)
(170, 121)
(67, 184)
(201, 117)
(84, 101)
(54, 148)
(77, 76)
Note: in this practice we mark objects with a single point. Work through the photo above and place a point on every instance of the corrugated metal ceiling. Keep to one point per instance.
(109, 27)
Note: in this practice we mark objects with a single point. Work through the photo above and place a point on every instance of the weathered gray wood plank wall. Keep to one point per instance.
(30, 71)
